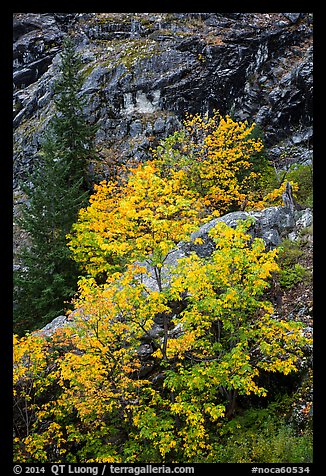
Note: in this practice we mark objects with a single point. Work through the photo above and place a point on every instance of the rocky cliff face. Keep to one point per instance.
(144, 71)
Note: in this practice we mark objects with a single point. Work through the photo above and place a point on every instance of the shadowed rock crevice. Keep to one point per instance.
(144, 71)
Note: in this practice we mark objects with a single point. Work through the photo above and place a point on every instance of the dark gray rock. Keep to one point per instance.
(270, 224)
(155, 332)
(53, 326)
(244, 63)
(159, 125)
(145, 350)
(303, 219)
(135, 128)
(36, 41)
(143, 72)
(293, 17)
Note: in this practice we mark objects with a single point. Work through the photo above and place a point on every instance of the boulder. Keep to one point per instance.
(271, 224)
(50, 328)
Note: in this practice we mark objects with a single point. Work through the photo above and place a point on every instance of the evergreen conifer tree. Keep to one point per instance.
(75, 135)
(57, 189)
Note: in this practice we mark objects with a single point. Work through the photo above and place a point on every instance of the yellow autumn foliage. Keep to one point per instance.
(110, 387)
(145, 217)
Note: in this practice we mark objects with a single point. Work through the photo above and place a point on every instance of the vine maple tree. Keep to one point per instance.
(154, 357)
(142, 219)
(221, 159)
(108, 408)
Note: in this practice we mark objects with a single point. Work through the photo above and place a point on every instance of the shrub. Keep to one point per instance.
(291, 271)
(222, 160)
(303, 176)
(105, 410)
(261, 436)
(290, 276)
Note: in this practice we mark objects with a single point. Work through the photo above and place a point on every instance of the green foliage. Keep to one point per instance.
(290, 276)
(222, 160)
(55, 192)
(300, 177)
(302, 174)
(89, 393)
(105, 410)
(48, 275)
(75, 136)
(263, 436)
(291, 272)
